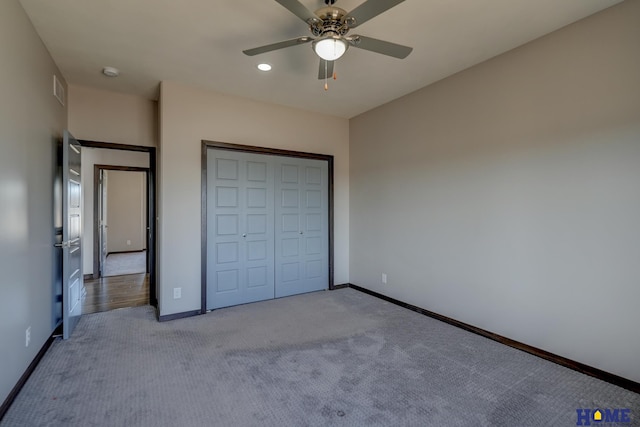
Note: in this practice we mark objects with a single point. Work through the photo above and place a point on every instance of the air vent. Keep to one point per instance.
(58, 90)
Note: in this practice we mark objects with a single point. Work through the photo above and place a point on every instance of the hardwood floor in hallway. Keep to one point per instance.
(109, 293)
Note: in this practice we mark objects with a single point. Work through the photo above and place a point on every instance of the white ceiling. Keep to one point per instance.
(200, 42)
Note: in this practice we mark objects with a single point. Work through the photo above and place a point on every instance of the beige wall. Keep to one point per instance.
(125, 211)
(508, 196)
(90, 158)
(31, 123)
(98, 115)
(188, 115)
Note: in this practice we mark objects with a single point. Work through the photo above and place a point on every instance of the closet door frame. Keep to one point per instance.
(206, 145)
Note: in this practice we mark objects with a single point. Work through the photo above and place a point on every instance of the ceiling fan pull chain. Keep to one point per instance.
(326, 85)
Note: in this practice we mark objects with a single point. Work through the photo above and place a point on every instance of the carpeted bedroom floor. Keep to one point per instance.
(325, 358)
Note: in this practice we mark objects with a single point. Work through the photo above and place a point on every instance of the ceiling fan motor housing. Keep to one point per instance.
(331, 22)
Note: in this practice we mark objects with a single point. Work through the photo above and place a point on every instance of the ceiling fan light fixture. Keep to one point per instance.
(264, 67)
(330, 48)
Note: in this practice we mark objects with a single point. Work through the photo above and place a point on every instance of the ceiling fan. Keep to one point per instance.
(330, 25)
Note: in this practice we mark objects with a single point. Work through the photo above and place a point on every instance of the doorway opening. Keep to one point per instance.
(121, 221)
(121, 232)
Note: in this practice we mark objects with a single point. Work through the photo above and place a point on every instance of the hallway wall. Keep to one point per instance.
(126, 214)
(99, 115)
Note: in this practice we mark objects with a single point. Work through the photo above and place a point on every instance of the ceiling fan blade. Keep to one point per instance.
(298, 9)
(380, 46)
(325, 72)
(368, 10)
(276, 46)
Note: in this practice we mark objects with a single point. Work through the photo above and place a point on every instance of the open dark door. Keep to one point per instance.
(72, 278)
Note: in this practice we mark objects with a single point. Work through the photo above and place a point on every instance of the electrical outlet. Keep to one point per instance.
(177, 293)
(128, 242)
(384, 278)
(27, 336)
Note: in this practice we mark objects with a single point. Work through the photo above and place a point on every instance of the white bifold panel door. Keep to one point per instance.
(301, 226)
(267, 227)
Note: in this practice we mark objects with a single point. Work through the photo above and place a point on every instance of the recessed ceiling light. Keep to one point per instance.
(110, 72)
(264, 67)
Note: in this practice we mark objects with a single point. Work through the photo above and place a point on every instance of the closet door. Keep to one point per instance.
(240, 238)
(301, 226)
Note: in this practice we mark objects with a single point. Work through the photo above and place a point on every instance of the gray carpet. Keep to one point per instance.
(326, 358)
(125, 263)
